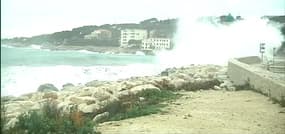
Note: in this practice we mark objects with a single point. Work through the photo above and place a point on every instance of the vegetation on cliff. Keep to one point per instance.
(162, 28)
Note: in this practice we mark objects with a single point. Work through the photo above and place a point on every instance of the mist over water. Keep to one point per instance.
(204, 40)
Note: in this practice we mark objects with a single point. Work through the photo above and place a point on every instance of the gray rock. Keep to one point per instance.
(101, 117)
(123, 94)
(50, 95)
(88, 108)
(95, 83)
(67, 85)
(47, 87)
(140, 88)
(217, 88)
(79, 100)
(11, 123)
(101, 95)
(7, 98)
(178, 83)
(164, 73)
(223, 85)
(65, 106)
(231, 88)
(12, 115)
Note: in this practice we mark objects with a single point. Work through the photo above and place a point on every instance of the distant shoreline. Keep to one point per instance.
(98, 49)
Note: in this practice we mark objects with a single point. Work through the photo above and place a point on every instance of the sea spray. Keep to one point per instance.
(207, 41)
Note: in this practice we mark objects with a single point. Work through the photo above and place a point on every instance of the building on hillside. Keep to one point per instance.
(132, 34)
(101, 34)
(156, 43)
(157, 34)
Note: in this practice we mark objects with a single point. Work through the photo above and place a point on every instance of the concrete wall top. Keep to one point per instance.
(250, 60)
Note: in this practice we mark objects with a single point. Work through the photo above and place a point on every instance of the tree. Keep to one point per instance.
(283, 30)
(227, 18)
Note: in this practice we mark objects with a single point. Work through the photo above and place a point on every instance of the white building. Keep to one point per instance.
(132, 34)
(156, 43)
(99, 34)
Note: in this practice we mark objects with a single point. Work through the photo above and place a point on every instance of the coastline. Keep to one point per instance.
(95, 97)
(98, 49)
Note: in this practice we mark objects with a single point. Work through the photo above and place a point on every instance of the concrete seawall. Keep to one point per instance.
(242, 71)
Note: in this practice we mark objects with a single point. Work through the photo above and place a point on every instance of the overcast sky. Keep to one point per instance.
(33, 17)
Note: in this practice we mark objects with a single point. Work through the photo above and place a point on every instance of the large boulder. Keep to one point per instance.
(141, 88)
(19, 106)
(183, 76)
(65, 106)
(50, 95)
(130, 84)
(11, 123)
(67, 85)
(95, 83)
(162, 83)
(101, 117)
(101, 94)
(79, 100)
(86, 109)
(12, 115)
(123, 94)
(85, 91)
(47, 87)
(111, 105)
(178, 83)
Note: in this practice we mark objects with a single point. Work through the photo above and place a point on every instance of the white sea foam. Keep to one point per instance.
(87, 52)
(35, 46)
(19, 80)
(140, 53)
(7, 46)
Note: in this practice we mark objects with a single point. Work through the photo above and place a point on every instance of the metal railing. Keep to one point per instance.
(276, 65)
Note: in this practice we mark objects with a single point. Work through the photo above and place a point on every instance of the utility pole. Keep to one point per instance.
(274, 54)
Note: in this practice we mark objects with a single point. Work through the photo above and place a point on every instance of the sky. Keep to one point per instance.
(25, 18)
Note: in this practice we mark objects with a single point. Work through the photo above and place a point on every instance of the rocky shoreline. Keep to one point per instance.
(98, 98)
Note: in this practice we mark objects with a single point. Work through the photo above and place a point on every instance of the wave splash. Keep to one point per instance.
(206, 41)
(19, 80)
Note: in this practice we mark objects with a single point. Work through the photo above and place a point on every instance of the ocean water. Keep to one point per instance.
(24, 69)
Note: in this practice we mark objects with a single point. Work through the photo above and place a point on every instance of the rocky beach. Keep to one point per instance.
(200, 85)
(96, 97)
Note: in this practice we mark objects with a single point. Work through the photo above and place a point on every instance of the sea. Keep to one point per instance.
(208, 42)
(23, 70)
